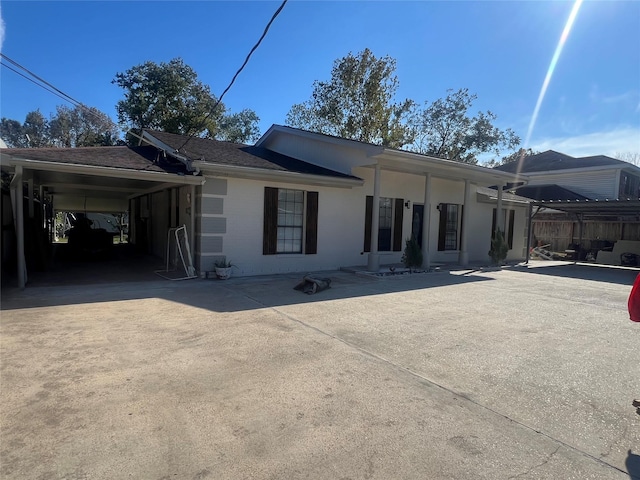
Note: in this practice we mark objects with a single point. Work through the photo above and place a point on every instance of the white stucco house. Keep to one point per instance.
(295, 201)
(302, 201)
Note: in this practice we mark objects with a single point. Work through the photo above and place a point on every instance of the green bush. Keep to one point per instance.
(499, 248)
(412, 256)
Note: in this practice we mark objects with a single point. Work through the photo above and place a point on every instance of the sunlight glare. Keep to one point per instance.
(552, 66)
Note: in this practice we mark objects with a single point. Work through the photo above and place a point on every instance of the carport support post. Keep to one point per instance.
(373, 264)
(18, 190)
(192, 224)
(463, 258)
(426, 222)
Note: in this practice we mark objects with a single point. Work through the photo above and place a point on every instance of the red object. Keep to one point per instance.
(634, 301)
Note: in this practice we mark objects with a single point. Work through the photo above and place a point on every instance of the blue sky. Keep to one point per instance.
(499, 50)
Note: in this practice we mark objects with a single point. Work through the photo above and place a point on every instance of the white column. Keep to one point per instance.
(192, 225)
(426, 223)
(463, 257)
(373, 264)
(499, 215)
(30, 190)
(17, 191)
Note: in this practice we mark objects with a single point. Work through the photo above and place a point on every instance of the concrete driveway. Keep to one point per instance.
(524, 373)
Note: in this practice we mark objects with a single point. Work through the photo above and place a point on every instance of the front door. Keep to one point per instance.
(416, 223)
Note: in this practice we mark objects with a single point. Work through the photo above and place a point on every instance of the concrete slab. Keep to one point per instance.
(518, 373)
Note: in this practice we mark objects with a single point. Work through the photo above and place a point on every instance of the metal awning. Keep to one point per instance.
(617, 207)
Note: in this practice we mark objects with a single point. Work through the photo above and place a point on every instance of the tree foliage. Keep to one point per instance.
(357, 103)
(169, 97)
(445, 128)
(512, 157)
(82, 127)
(630, 157)
(69, 127)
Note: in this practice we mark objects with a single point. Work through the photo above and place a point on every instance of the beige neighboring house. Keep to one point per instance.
(589, 203)
(296, 201)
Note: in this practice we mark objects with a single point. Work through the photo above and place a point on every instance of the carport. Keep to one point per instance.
(96, 179)
(623, 209)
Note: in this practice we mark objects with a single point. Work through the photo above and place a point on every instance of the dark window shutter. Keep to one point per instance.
(270, 234)
(397, 224)
(367, 224)
(512, 215)
(442, 231)
(311, 224)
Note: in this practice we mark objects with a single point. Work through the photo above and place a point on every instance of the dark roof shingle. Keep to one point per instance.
(143, 158)
(550, 160)
(240, 155)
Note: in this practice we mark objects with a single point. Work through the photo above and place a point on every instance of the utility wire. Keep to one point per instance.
(47, 86)
(32, 80)
(246, 60)
(13, 62)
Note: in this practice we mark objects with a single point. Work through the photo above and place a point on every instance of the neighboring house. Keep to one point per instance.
(296, 201)
(591, 201)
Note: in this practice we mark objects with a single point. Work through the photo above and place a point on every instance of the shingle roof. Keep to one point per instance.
(143, 158)
(550, 160)
(216, 152)
(548, 193)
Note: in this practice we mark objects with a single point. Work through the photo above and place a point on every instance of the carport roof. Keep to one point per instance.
(606, 207)
(142, 159)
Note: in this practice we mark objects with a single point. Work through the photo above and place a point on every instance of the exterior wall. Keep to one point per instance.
(325, 154)
(159, 214)
(231, 213)
(594, 184)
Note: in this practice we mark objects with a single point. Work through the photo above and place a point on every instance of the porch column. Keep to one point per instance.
(192, 224)
(499, 216)
(373, 264)
(426, 223)
(31, 195)
(17, 194)
(463, 257)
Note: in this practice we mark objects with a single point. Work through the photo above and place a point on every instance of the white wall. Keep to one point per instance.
(594, 184)
(341, 223)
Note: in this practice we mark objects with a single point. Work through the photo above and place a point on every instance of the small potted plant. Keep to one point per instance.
(223, 268)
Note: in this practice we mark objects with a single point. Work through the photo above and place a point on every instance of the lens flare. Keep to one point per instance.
(552, 66)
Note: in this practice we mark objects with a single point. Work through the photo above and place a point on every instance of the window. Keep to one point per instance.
(629, 185)
(449, 226)
(290, 221)
(509, 219)
(390, 217)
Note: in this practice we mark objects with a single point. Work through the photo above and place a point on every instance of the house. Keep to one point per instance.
(592, 202)
(300, 201)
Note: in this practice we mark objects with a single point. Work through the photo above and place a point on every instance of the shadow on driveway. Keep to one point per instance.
(235, 294)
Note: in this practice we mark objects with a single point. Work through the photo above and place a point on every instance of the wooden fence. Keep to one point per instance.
(595, 234)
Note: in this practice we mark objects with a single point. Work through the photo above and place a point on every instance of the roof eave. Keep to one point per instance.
(113, 172)
(251, 173)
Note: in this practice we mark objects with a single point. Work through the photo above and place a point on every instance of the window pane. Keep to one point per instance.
(290, 220)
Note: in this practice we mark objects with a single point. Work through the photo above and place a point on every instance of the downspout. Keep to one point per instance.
(18, 199)
(373, 264)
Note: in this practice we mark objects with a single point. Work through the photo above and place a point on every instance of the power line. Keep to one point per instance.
(246, 60)
(47, 86)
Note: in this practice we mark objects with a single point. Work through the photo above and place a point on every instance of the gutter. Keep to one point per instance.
(105, 171)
